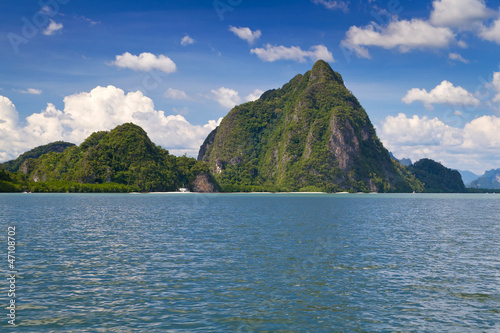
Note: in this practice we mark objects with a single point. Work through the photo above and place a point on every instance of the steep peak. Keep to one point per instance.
(322, 71)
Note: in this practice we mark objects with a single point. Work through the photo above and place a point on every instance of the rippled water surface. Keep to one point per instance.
(253, 262)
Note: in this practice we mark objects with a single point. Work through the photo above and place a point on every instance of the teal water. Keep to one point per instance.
(253, 262)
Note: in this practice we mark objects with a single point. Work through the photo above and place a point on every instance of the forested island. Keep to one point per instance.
(311, 135)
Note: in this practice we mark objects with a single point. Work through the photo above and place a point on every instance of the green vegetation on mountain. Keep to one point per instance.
(121, 160)
(437, 178)
(310, 135)
(8, 182)
(57, 147)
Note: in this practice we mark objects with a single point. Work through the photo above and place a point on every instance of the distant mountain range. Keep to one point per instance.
(403, 161)
(468, 177)
(490, 180)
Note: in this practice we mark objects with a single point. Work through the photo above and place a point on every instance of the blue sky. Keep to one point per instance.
(427, 72)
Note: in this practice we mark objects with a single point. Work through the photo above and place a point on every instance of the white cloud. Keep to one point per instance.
(462, 14)
(418, 131)
(496, 86)
(8, 114)
(403, 35)
(483, 133)
(492, 33)
(469, 148)
(145, 62)
(272, 53)
(103, 108)
(246, 34)
(332, 4)
(255, 95)
(90, 21)
(444, 93)
(52, 28)
(31, 91)
(457, 57)
(186, 40)
(47, 10)
(175, 94)
(226, 97)
(10, 138)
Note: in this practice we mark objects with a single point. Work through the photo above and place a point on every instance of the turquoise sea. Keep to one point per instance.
(252, 262)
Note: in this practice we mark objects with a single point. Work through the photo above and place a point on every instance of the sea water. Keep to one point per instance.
(252, 262)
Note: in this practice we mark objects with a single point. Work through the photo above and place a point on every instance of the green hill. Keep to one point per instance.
(310, 135)
(437, 178)
(56, 147)
(8, 183)
(124, 156)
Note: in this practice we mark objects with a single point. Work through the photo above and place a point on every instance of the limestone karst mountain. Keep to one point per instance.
(311, 134)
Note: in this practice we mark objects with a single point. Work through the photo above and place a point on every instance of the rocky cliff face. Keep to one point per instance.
(206, 144)
(204, 184)
(311, 133)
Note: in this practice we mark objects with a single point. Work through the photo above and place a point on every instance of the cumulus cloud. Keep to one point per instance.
(226, 97)
(52, 28)
(403, 35)
(457, 57)
(417, 131)
(186, 40)
(246, 34)
(469, 148)
(491, 33)
(103, 108)
(8, 114)
(175, 94)
(272, 53)
(255, 95)
(9, 136)
(444, 93)
(463, 14)
(447, 18)
(145, 62)
(332, 4)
